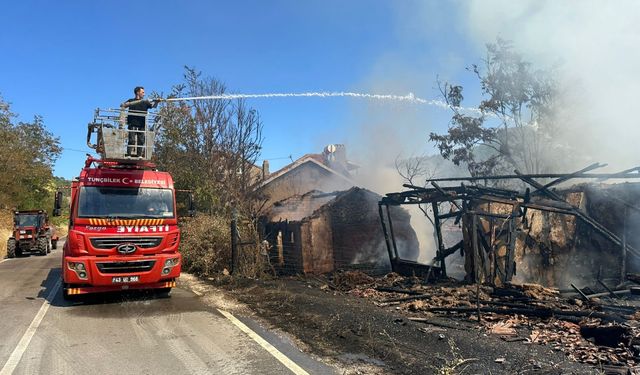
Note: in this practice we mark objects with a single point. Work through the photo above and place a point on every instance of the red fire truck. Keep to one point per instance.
(123, 231)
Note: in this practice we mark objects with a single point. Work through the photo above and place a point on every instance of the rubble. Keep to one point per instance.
(600, 332)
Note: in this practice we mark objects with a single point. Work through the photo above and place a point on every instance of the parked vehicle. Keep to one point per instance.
(31, 234)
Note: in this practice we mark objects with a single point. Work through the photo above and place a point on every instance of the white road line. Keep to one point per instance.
(197, 293)
(262, 342)
(15, 357)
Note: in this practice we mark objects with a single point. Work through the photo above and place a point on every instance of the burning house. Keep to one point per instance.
(552, 237)
(321, 232)
(315, 232)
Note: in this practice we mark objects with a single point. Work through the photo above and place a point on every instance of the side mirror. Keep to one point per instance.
(192, 208)
(57, 204)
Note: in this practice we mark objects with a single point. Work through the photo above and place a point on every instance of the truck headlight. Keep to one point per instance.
(171, 262)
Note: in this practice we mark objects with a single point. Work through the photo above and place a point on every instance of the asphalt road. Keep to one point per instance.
(135, 333)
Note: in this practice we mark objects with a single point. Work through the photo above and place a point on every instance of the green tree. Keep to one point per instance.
(27, 156)
(513, 127)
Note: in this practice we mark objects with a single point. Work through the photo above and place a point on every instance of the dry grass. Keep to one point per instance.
(206, 248)
(205, 244)
(6, 224)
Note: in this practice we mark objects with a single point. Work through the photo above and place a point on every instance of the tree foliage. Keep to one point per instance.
(211, 146)
(513, 126)
(27, 156)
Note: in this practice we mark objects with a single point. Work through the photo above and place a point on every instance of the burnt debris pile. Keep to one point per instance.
(596, 328)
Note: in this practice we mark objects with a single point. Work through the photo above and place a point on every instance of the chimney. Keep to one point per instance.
(265, 169)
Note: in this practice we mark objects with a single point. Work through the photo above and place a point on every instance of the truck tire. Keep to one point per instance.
(66, 296)
(54, 244)
(163, 292)
(43, 244)
(11, 248)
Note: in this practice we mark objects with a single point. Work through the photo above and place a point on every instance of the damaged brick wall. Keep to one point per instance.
(342, 232)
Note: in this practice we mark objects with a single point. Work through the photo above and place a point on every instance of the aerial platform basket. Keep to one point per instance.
(116, 140)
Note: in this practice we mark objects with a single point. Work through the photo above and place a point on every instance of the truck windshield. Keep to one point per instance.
(27, 220)
(110, 202)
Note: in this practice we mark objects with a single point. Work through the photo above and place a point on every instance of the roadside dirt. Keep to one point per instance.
(350, 332)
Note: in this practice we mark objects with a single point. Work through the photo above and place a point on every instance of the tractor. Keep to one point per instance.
(31, 234)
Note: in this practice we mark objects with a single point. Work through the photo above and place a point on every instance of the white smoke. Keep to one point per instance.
(595, 46)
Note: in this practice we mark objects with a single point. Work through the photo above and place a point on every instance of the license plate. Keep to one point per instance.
(125, 279)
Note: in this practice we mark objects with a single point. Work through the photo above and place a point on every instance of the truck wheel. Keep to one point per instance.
(68, 297)
(11, 248)
(163, 292)
(65, 293)
(42, 245)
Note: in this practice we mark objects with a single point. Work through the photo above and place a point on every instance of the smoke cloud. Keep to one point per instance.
(594, 46)
(591, 46)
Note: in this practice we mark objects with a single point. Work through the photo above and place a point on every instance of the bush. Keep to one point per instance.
(205, 244)
(206, 247)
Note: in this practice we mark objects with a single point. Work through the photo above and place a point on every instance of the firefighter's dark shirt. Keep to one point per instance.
(138, 121)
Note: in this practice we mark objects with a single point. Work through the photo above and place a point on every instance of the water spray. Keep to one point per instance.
(409, 98)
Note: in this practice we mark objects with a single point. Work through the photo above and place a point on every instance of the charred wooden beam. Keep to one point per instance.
(580, 292)
(597, 295)
(453, 249)
(387, 240)
(439, 189)
(629, 173)
(571, 175)
(478, 189)
(509, 262)
(449, 215)
(396, 290)
(615, 175)
(611, 293)
(538, 312)
(438, 227)
(490, 214)
(393, 236)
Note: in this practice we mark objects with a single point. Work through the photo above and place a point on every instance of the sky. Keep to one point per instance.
(63, 59)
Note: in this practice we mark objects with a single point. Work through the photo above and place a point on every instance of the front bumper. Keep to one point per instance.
(76, 290)
(98, 273)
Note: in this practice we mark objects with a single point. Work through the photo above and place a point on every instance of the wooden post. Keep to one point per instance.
(438, 228)
(511, 248)
(386, 235)
(393, 236)
(476, 259)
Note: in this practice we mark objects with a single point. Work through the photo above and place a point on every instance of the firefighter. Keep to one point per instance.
(136, 122)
